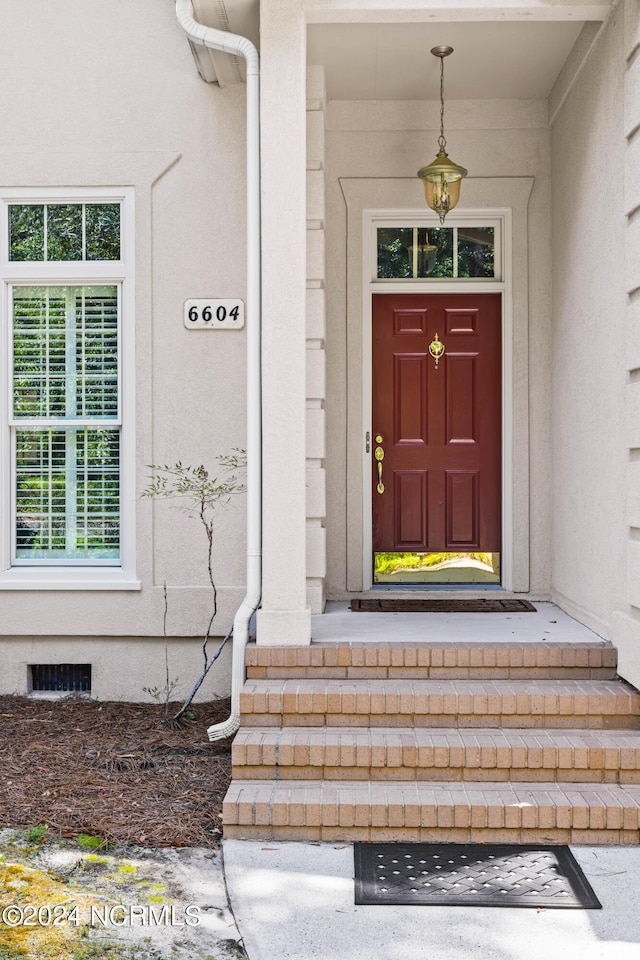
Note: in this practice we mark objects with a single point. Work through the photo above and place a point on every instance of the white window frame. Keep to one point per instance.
(455, 221)
(92, 575)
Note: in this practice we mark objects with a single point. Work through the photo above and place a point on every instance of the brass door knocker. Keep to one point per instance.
(436, 349)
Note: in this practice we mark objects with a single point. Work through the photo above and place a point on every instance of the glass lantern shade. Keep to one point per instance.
(442, 178)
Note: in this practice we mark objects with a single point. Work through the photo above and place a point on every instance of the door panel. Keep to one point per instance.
(410, 322)
(440, 426)
(410, 399)
(461, 397)
(462, 510)
(411, 518)
(461, 321)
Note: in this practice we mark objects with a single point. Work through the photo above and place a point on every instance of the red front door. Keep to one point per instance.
(439, 487)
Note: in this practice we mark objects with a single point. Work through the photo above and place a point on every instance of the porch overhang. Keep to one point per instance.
(381, 11)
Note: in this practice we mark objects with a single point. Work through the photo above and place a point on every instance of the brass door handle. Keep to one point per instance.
(379, 455)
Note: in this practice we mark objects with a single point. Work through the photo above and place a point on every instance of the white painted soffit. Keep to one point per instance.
(513, 60)
(235, 16)
(417, 11)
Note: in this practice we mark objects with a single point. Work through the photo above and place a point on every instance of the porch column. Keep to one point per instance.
(284, 617)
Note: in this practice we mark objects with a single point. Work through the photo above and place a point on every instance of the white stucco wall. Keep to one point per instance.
(107, 93)
(588, 342)
(494, 139)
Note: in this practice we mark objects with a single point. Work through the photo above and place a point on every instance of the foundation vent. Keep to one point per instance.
(61, 677)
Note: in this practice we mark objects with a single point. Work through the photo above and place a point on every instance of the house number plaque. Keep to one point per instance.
(211, 314)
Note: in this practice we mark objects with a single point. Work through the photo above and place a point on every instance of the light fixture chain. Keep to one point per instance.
(441, 140)
(442, 176)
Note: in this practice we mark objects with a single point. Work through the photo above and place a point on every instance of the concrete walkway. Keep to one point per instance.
(295, 901)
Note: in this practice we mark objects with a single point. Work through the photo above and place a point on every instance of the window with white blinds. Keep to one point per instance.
(65, 370)
(65, 407)
(67, 494)
(65, 352)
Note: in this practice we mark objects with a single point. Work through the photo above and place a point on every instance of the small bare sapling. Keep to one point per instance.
(200, 494)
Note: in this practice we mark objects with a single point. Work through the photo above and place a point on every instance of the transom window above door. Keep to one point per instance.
(418, 252)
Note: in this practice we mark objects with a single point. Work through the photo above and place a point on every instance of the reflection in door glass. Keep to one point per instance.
(415, 253)
(475, 252)
(436, 568)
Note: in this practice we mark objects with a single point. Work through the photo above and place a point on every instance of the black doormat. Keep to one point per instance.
(470, 875)
(383, 605)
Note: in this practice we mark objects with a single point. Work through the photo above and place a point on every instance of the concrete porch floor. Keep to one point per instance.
(549, 624)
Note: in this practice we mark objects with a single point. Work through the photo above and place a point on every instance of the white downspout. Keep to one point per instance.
(240, 46)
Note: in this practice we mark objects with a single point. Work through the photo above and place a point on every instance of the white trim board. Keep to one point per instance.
(501, 221)
(504, 199)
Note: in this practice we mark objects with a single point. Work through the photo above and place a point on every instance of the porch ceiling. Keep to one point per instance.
(391, 61)
(516, 57)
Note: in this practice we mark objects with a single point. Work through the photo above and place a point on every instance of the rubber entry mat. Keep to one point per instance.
(382, 605)
(470, 875)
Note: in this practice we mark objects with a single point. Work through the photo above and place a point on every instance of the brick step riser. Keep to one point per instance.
(434, 659)
(568, 756)
(426, 754)
(431, 673)
(435, 835)
(570, 721)
(437, 774)
(404, 702)
(455, 812)
(386, 753)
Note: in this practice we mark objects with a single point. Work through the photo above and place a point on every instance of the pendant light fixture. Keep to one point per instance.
(442, 176)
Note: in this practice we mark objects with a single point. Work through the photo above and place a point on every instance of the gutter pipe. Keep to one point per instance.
(240, 46)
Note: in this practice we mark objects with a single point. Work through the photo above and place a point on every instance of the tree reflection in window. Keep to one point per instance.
(476, 252)
(415, 253)
(48, 232)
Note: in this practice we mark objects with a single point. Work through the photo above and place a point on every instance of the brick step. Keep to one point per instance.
(498, 661)
(441, 703)
(447, 812)
(378, 753)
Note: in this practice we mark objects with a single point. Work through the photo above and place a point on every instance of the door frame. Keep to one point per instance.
(501, 218)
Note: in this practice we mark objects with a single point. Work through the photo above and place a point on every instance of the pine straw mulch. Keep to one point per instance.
(113, 770)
